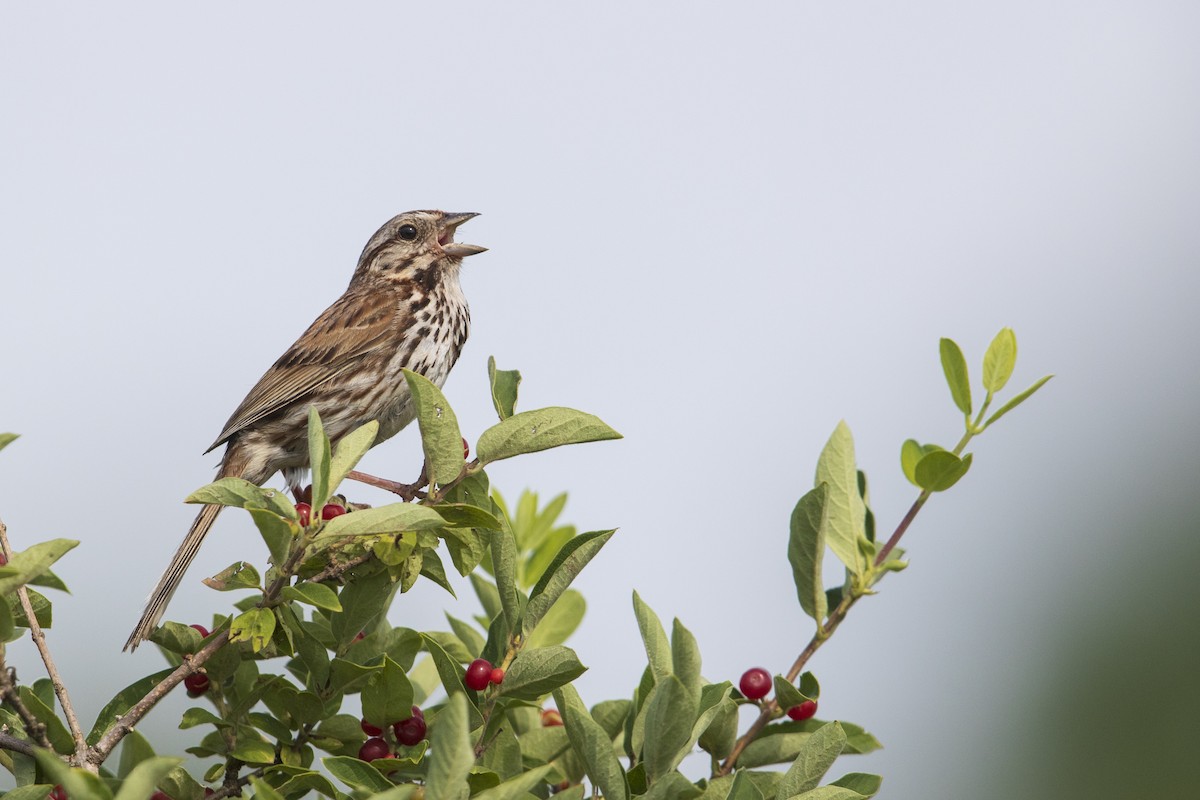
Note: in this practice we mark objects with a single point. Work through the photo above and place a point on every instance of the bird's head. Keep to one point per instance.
(415, 244)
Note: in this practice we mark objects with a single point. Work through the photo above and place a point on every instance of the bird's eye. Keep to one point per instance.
(408, 232)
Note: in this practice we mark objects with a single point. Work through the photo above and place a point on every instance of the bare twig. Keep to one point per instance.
(9, 694)
(39, 639)
(16, 745)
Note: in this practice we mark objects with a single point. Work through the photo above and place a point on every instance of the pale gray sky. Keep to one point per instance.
(720, 228)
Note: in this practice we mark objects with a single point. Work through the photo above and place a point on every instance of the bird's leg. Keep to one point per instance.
(407, 491)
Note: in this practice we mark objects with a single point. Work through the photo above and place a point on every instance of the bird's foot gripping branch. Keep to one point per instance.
(464, 712)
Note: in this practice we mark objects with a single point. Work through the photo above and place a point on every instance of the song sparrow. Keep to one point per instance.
(404, 308)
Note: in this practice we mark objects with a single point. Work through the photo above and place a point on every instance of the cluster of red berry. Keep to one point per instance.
(408, 732)
(328, 512)
(756, 684)
(197, 683)
(480, 674)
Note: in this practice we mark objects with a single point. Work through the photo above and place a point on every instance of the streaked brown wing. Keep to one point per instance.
(356, 324)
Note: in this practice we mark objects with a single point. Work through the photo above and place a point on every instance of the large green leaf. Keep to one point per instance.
(845, 511)
(31, 562)
(440, 436)
(388, 695)
(941, 469)
(815, 758)
(350, 448)
(318, 459)
(654, 637)
(806, 550)
(569, 562)
(532, 431)
(143, 779)
(534, 673)
(241, 493)
(452, 755)
(392, 518)
(593, 743)
(670, 716)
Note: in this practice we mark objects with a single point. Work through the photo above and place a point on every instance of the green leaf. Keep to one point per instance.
(463, 515)
(685, 657)
(241, 493)
(489, 595)
(670, 715)
(569, 562)
(865, 784)
(532, 431)
(910, 453)
(392, 518)
(43, 611)
(123, 701)
(313, 594)
(844, 508)
(134, 750)
(356, 774)
(440, 436)
(504, 566)
(809, 686)
(955, 368)
(200, 716)
(534, 673)
(7, 626)
(654, 637)
(467, 547)
(254, 626)
(743, 788)
(815, 758)
(239, 575)
(999, 360)
(806, 549)
(78, 783)
(452, 755)
(264, 790)
(830, 792)
(560, 622)
(388, 695)
(143, 779)
(363, 600)
(858, 740)
(56, 731)
(787, 695)
(318, 459)
(350, 449)
(1016, 401)
(517, 788)
(8, 438)
(276, 532)
(31, 562)
(504, 385)
(941, 469)
(672, 786)
(593, 744)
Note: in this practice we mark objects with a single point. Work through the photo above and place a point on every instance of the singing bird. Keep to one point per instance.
(404, 309)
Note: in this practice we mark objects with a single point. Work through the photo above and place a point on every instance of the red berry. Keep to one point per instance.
(207, 791)
(417, 712)
(160, 796)
(551, 718)
(202, 630)
(332, 510)
(304, 512)
(803, 711)
(373, 749)
(196, 684)
(466, 449)
(358, 637)
(3, 560)
(57, 793)
(371, 730)
(497, 676)
(755, 683)
(479, 674)
(410, 731)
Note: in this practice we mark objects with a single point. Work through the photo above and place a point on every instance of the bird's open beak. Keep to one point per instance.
(450, 223)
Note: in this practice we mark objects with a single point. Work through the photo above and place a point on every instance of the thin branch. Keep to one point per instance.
(123, 725)
(10, 694)
(16, 745)
(39, 639)
(336, 570)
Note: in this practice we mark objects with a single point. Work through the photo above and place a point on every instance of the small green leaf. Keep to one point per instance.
(318, 459)
(254, 626)
(844, 508)
(264, 790)
(955, 368)
(813, 761)
(350, 448)
(504, 385)
(569, 562)
(593, 743)
(31, 562)
(452, 755)
(241, 493)
(123, 701)
(685, 657)
(532, 431)
(806, 550)
(440, 436)
(999, 360)
(534, 673)
(830, 792)
(941, 469)
(56, 731)
(8, 438)
(313, 594)
(356, 774)
(388, 695)
(503, 550)
(1016, 401)
(43, 611)
(670, 714)
(787, 695)
(910, 454)
(143, 779)
(239, 575)
(865, 784)
(462, 515)
(654, 637)
(276, 532)
(200, 716)
(392, 518)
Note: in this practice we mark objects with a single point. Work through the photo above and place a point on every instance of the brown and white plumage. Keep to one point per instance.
(404, 308)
